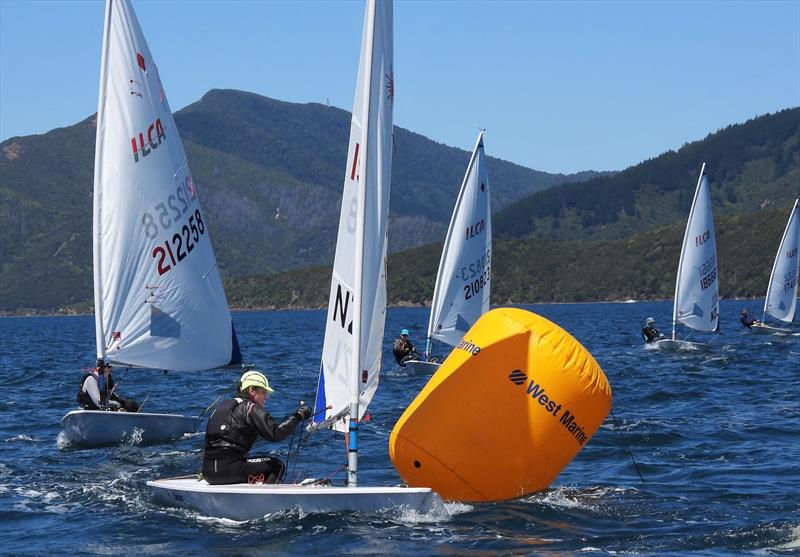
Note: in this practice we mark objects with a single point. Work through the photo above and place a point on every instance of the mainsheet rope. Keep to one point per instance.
(297, 453)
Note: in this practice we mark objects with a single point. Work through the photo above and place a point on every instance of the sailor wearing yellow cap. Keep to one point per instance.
(234, 427)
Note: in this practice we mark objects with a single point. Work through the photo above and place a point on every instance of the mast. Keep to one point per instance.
(683, 250)
(98, 190)
(358, 303)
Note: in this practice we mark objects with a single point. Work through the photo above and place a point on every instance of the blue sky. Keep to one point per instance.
(559, 86)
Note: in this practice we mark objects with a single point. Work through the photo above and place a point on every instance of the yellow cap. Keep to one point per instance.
(255, 379)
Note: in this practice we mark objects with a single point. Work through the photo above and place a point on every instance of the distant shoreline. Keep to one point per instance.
(74, 313)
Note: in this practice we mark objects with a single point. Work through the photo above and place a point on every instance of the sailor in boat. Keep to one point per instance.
(98, 391)
(234, 427)
(649, 332)
(403, 350)
(747, 320)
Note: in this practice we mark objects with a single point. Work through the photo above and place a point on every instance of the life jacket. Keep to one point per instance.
(650, 333)
(398, 345)
(222, 433)
(83, 397)
(401, 347)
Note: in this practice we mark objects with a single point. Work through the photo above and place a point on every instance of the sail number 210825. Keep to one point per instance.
(476, 275)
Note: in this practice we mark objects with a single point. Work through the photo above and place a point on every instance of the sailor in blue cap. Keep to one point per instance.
(403, 350)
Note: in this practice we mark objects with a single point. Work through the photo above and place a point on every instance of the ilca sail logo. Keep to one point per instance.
(155, 134)
(390, 85)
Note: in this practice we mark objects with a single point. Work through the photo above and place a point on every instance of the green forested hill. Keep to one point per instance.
(269, 174)
(642, 266)
(749, 165)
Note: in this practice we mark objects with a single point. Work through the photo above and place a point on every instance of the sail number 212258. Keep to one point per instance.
(182, 241)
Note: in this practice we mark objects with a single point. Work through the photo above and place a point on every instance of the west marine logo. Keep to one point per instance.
(469, 346)
(155, 135)
(538, 393)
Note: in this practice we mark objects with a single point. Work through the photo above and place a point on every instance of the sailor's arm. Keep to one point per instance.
(266, 426)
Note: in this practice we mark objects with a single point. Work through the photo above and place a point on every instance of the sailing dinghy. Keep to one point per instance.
(461, 294)
(781, 300)
(159, 301)
(356, 313)
(696, 302)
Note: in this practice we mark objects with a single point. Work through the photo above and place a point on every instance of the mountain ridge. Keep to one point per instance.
(269, 175)
(748, 164)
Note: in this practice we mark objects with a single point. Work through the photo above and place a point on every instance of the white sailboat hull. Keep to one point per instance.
(248, 502)
(420, 367)
(93, 428)
(760, 328)
(670, 345)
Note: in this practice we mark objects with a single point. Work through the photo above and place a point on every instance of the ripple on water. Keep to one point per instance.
(714, 435)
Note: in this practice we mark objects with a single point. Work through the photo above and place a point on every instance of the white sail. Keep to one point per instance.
(781, 299)
(696, 287)
(357, 302)
(159, 300)
(355, 318)
(461, 294)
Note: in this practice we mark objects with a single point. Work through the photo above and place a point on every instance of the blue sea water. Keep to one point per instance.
(716, 436)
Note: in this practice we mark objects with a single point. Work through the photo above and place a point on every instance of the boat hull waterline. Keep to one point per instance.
(670, 345)
(93, 428)
(420, 367)
(766, 329)
(248, 502)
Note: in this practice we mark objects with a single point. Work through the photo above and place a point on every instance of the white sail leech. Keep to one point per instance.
(159, 300)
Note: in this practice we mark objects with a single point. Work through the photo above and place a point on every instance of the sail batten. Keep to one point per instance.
(781, 298)
(159, 300)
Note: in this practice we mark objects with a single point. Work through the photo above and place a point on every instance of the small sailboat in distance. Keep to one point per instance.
(696, 303)
(356, 313)
(159, 301)
(781, 299)
(463, 281)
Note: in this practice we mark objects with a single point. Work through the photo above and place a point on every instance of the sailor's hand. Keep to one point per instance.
(303, 413)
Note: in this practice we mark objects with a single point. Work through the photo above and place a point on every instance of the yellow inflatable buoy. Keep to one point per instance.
(508, 409)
